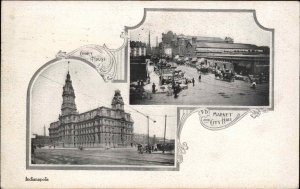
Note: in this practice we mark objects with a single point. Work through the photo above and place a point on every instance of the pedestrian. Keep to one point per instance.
(193, 81)
(173, 84)
(253, 85)
(186, 81)
(153, 88)
(178, 88)
(142, 83)
(175, 92)
(199, 77)
(148, 79)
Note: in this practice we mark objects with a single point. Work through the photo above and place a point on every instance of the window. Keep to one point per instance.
(132, 52)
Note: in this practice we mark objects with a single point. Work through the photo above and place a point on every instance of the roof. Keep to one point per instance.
(201, 38)
(225, 45)
(137, 44)
(244, 55)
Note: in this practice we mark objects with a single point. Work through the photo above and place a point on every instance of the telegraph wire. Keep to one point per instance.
(97, 100)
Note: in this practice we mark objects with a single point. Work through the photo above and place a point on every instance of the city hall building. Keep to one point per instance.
(100, 127)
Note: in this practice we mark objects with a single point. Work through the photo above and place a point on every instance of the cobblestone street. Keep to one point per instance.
(98, 156)
(210, 91)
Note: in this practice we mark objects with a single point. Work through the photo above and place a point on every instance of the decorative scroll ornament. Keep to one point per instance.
(182, 147)
(217, 119)
(109, 63)
(254, 113)
(214, 119)
(100, 57)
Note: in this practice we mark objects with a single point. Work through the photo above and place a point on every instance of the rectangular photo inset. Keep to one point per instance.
(200, 58)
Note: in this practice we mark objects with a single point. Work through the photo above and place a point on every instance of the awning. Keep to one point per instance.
(201, 60)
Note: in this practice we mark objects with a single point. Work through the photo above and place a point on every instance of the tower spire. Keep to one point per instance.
(117, 101)
(68, 65)
(148, 49)
(68, 106)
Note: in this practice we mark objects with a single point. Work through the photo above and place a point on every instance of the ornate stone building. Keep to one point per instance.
(100, 127)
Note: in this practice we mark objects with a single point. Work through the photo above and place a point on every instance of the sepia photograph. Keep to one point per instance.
(78, 119)
(200, 58)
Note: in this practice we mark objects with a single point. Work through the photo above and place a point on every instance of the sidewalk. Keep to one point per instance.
(154, 78)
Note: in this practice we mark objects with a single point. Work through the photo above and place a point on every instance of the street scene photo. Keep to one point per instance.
(190, 61)
(82, 125)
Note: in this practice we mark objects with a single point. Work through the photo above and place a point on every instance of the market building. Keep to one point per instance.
(217, 52)
(100, 127)
(242, 58)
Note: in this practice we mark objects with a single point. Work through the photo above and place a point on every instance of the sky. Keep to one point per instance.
(239, 26)
(91, 92)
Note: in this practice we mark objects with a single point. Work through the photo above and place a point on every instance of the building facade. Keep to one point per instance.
(40, 141)
(138, 48)
(138, 56)
(219, 53)
(100, 127)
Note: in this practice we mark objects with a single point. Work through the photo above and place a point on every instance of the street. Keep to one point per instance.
(99, 156)
(209, 91)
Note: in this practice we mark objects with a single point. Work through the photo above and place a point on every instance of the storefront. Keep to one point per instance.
(241, 64)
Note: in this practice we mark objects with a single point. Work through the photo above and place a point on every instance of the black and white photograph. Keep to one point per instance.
(149, 94)
(200, 58)
(85, 121)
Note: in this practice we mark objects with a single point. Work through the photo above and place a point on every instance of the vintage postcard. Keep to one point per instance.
(149, 94)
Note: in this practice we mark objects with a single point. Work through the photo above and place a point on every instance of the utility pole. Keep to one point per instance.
(148, 130)
(165, 133)
(44, 130)
(148, 118)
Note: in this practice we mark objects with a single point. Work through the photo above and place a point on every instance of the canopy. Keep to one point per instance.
(201, 60)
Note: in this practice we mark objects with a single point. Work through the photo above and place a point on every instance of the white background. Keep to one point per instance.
(261, 152)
